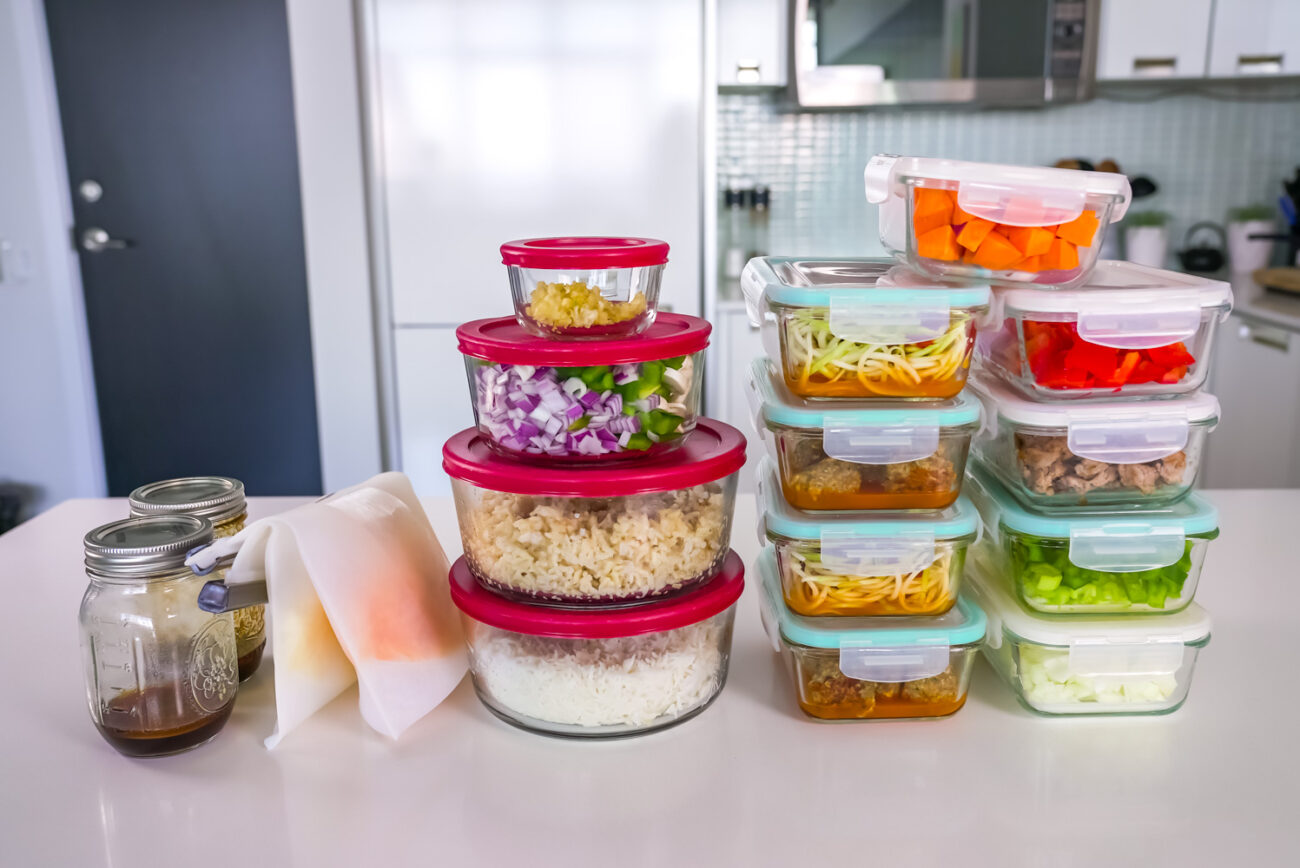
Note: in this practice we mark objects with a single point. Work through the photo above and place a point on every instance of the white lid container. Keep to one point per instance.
(1007, 197)
(1088, 664)
(1080, 343)
(1080, 455)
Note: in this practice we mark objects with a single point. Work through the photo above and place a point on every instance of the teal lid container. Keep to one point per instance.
(1119, 541)
(887, 650)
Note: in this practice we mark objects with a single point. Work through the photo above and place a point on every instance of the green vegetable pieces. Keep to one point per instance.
(1049, 581)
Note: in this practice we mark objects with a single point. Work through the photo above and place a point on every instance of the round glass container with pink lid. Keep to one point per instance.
(617, 672)
(586, 287)
(596, 536)
(579, 402)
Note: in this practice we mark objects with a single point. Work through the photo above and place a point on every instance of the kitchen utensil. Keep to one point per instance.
(1203, 257)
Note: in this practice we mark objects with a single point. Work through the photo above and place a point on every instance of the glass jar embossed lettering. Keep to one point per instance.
(221, 501)
(161, 674)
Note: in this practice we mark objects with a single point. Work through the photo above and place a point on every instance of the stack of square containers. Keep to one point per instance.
(597, 589)
(1094, 429)
(860, 401)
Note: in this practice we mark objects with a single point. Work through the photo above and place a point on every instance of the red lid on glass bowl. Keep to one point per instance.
(502, 340)
(691, 607)
(710, 452)
(584, 252)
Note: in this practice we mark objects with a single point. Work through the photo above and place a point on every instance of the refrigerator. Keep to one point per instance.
(500, 119)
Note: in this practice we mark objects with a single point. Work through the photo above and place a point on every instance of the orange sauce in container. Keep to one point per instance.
(818, 386)
(837, 500)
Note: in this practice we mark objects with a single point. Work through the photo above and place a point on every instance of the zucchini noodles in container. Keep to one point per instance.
(888, 563)
(863, 328)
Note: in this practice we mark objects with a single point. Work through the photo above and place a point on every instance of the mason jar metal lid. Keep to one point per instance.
(145, 546)
(216, 498)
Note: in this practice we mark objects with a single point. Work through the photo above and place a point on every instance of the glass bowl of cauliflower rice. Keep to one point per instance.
(609, 673)
(596, 536)
(585, 288)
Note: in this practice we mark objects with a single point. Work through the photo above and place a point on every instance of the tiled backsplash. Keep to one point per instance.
(1206, 156)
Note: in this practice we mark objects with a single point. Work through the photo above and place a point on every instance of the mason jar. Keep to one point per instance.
(161, 673)
(221, 501)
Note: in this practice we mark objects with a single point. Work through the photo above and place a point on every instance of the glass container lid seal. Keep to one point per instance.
(216, 498)
(709, 453)
(889, 650)
(584, 252)
(144, 546)
(692, 607)
(502, 340)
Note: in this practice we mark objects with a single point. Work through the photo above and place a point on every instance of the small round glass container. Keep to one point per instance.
(161, 673)
(585, 288)
(221, 501)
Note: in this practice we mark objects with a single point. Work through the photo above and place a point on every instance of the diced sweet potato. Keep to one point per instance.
(1029, 263)
(997, 253)
(940, 243)
(1030, 240)
(959, 216)
(1061, 256)
(974, 232)
(930, 210)
(1081, 230)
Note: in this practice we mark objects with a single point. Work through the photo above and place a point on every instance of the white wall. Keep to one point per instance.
(49, 428)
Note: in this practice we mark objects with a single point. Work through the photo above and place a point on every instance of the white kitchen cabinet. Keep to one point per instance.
(433, 401)
(1154, 38)
(1256, 377)
(751, 42)
(735, 345)
(1255, 37)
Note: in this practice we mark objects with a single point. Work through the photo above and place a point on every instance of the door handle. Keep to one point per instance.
(95, 240)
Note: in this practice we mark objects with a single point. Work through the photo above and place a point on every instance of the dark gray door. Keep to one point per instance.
(178, 121)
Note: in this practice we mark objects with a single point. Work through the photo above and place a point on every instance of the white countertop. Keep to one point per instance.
(749, 782)
(1249, 299)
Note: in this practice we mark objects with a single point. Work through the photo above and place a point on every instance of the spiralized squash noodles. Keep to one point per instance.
(820, 364)
(812, 589)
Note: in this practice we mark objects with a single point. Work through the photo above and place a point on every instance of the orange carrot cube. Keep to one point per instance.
(959, 216)
(940, 243)
(997, 252)
(930, 210)
(974, 232)
(1081, 230)
(1030, 240)
(1061, 256)
(1029, 263)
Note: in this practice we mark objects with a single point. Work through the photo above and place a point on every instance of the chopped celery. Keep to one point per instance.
(1049, 580)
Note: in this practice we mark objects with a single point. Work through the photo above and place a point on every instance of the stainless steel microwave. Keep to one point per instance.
(848, 53)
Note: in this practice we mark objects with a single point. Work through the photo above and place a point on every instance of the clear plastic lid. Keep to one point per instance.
(885, 543)
(1124, 305)
(864, 432)
(1117, 432)
(1120, 541)
(889, 650)
(1012, 195)
(869, 300)
(1099, 645)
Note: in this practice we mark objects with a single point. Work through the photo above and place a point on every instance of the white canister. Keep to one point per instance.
(1147, 245)
(1246, 254)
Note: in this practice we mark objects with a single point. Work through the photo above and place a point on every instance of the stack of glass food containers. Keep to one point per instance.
(597, 588)
(860, 401)
(1094, 429)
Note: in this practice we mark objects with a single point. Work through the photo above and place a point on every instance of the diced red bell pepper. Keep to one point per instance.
(1171, 355)
(1173, 375)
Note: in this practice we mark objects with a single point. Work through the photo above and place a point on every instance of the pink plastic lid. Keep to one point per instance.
(692, 607)
(710, 452)
(584, 252)
(503, 340)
